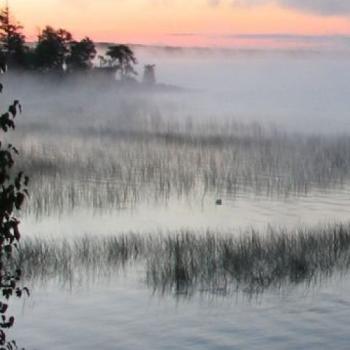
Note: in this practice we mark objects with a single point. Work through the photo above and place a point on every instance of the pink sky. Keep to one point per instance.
(185, 22)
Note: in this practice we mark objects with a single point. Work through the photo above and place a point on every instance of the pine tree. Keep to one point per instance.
(12, 41)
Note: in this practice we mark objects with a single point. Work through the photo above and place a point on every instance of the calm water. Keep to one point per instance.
(244, 211)
(304, 94)
(123, 314)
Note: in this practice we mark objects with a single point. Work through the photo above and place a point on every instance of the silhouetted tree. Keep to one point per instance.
(81, 54)
(13, 191)
(123, 58)
(12, 40)
(52, 48)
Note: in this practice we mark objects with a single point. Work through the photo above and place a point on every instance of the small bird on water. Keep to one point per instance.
(219, 202)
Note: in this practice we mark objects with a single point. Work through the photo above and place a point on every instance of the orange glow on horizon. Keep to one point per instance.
(152, 21)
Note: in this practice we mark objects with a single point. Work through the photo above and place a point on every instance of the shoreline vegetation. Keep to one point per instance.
(185, 263)
(116, 169)
(57, 56)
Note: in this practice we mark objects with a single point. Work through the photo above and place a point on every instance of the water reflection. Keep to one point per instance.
(122, 312)
(187, 263)
(234, 216)
(263, 289)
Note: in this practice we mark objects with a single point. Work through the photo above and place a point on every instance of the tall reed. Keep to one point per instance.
(186, 262)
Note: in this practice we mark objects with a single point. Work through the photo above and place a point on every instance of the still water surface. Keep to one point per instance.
(237, 214)
(123, 314)
(303, 94)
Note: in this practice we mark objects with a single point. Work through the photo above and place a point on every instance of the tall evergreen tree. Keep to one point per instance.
(12, 40)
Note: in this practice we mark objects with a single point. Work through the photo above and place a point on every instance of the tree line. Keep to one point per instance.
(56, 51)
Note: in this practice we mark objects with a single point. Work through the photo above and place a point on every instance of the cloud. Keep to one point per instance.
(271, 36)
(248, 3)
(320, 7)
(214, 2)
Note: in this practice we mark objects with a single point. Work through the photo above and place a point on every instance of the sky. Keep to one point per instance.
(218, 23)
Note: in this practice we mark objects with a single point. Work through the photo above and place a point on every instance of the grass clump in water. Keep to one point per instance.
(186, 262)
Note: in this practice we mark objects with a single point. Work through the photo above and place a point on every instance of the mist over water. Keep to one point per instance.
(303, 92)
(266, 133)
(299, 91)
(243, 126)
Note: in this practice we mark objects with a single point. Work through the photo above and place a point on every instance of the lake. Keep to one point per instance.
(266, 133)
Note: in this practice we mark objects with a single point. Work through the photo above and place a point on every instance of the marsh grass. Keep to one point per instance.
(67, 260)
(189, 262)
(116, 169)
(251, 262)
